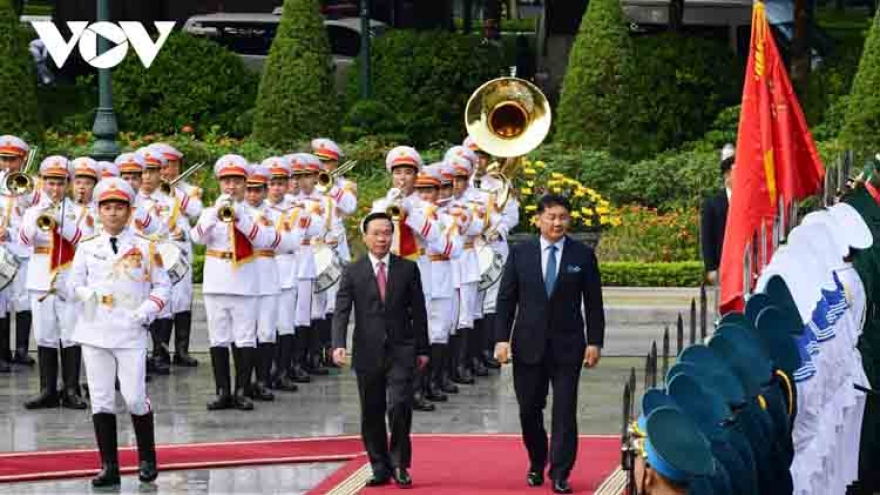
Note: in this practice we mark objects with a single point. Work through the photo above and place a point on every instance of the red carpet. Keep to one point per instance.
(41, 465)
(484, 464)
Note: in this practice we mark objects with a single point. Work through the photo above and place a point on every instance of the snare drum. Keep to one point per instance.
(328, 267)
(174, 260)
(491, 266)
(9, 265)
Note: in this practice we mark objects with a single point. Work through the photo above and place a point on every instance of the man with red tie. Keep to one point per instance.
(390, 340)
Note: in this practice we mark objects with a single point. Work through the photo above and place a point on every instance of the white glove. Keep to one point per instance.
(84, 293)
(140, 318)
(393, 194)
(407, 204)
(223, 198)
(209, 217)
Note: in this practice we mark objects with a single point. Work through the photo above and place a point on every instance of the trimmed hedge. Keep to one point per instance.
(426, 77)
(634, 274)
(297, 99)
(193, 82)
(595, 107)
(863, 113)
(18, 82)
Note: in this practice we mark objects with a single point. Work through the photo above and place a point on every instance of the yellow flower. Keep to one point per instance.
(530, 183)
(531, 207)
(578, 193)
(575, 214)
(616, 222)
(526, 190)
(588, 221)
(540, 164)
(587, 211)
(602, 210)
(557, 175)
(534, 220)
(603, 220)
(556, 190)
(530, 171)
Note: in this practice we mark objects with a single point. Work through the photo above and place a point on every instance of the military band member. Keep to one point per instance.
(310, 306)
(51, 229)
(469, 308)
(284, 205)
(108, 169)
(269, 286)
(184, 210)
(231, 236)
(14, 298)
(344, 194)
(444, 196)
(131, 168)
(119, 279)
(435, 266)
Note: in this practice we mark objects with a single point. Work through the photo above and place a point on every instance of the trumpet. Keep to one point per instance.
(167, 186)
(226, 212)
(325, 179)
(19, 183)
(394, 209)
(46, 221)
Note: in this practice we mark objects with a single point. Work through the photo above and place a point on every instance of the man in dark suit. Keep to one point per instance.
(714, 219)
(546, 284)
(390, 340)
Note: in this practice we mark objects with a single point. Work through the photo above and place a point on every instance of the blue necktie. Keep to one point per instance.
(550, 273)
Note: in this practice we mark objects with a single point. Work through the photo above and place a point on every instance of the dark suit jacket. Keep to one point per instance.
(399, 325)
(553, 324)
(712, 224)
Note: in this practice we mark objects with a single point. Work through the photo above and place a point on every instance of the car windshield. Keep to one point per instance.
(240, 37)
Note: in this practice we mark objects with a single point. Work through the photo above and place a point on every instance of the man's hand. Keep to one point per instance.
(339, 356)
(712, 277)
(502, 352)
(592, 356)
(422, 361)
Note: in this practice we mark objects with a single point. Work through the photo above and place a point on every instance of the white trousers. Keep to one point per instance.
(286, 312)
(102, 368)
(51, 321)
(440, 320)
(467, 300)
(309, 306)
(182, 294)
(231, 319)
(456, 310)
(267, 318)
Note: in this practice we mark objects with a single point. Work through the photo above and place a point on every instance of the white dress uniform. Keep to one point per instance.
(286, 261)
(269, 284)
(122, 286)
(503, 222)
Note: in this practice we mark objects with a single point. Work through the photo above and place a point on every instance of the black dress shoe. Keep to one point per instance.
(298, 374)
(281, 382)
(379, 480)
(147, 471)
(109, 476)
(534, 478)
(402, 478)
(22, 357)
(561, 486)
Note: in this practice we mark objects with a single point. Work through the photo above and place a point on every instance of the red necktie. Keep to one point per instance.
(381, 280)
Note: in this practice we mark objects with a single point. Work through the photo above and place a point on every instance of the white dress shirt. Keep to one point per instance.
(375, 261)
(545, 252)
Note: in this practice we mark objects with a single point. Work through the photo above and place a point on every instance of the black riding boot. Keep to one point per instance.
(48, 363)
(433, 391)
(477, 344)
(265, 352)
(300, 350)
(5, 353)
(313, 363)
(220, 364)
(71, 361)
(105, 435)
(462, 365)
(144, 431)
(159, 362)
(446, 385)
(283, 363)
(182, 332)
(489, 351)
(23, 321)
(244, 367)
(419, 402)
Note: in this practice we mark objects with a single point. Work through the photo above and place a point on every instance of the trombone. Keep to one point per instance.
(20, 183)
(507, 117)
(167, 186)
(327, 178)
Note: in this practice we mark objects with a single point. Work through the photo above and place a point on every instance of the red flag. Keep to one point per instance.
(242, 249)
(61, 252)
(776, 158)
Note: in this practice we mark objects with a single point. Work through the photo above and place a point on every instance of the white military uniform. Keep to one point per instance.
(502, 223)
(50, 313)
(121, 292)
(286, 263)
(230, 278)
(269, 284)
(309, 305)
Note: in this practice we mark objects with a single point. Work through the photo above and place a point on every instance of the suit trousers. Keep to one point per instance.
(531, 383)
(394, 380)
(102, 368)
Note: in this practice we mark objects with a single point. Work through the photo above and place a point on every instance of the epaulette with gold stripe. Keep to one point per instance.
(89, 238)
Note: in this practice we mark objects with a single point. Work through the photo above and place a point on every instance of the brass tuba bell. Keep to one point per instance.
(507, 118)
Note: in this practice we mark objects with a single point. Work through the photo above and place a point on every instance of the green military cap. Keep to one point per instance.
(774, 332)
(751, 367)
(778, 292)
(756, 302)
(725, 381)
(675, 448)
(705, 407)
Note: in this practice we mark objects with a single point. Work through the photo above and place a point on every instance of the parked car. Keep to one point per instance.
(250, 35)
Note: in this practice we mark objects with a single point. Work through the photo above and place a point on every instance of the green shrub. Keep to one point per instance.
(18, 80)
(371, 118)
(595, 169)
(426, 77)
(634, 274)
(863, 115)
(193, 81)
(595, 107)
(297, 99)
(646, 235)
(669, 179)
